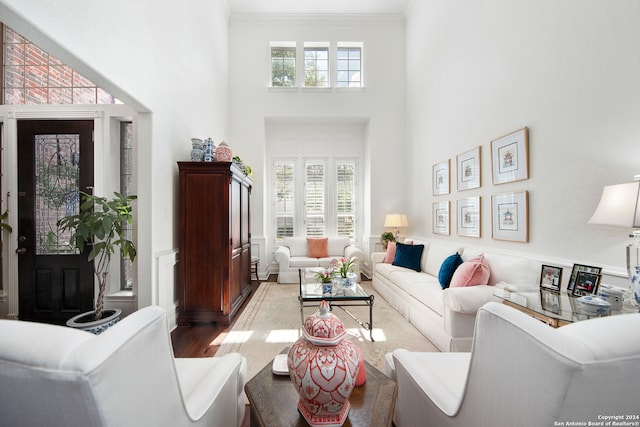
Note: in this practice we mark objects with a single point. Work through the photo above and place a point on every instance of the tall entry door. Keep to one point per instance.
(55, 163)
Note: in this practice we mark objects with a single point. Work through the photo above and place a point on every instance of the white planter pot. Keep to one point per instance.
(84, 321)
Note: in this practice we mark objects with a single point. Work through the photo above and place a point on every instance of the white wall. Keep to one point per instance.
(168, 62)
(381, 103)
(569, 71)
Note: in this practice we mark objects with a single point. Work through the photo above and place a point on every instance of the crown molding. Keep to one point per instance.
(318, 19)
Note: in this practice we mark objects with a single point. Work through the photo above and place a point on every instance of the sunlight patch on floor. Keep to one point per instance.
(233, 337)
(282, 335)
(362, 334)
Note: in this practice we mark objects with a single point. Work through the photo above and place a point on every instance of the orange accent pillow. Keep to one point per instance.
(318, 247)
(391, 252)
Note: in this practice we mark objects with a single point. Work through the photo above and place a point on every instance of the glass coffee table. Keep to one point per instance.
(311, 293)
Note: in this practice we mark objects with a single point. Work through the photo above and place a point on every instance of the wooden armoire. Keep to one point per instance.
(214, 260)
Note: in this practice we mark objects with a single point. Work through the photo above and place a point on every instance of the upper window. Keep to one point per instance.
(316, 65)
(32, 76)
(349, 66)
(283, 64)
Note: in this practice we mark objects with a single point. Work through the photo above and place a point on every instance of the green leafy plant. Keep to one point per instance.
(4, 225)
(246, 169)
(325, 276)
(100, 226)
(387, 237)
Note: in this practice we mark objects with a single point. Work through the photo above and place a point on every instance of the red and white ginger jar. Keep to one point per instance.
(323, 367)
(223, 152)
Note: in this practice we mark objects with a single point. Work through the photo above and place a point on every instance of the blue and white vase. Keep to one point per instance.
(635, 285)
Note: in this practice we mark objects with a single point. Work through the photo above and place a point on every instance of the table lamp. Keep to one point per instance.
(619, 206)
(396, 221)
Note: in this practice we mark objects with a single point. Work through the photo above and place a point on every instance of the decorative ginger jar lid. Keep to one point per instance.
(324, 328)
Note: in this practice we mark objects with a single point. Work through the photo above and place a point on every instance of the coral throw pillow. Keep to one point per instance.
(317, 247)
(391, 252)
(471, 273)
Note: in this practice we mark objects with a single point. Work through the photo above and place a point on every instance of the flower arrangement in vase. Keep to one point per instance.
(343, 267)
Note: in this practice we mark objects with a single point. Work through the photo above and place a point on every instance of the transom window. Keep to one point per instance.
(33, 76)
(349, 67)
(316, 66)
(283, 64)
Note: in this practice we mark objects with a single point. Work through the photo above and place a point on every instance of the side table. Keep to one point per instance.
(273, 401)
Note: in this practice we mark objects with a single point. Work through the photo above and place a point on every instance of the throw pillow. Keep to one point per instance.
(408, 256)
(391, 252)
(448, 267)
(317, 247)
(471, 273)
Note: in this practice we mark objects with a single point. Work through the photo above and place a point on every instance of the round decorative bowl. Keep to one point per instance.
(323, 367)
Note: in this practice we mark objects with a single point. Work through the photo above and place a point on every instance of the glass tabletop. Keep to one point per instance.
(312, 289)
(560, 306)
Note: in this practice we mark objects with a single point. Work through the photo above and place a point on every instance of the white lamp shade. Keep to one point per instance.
(618, 206)
(396, 220)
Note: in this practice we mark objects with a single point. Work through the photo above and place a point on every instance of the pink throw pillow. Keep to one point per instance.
(391, 252)
(471, 273)
(317, 247)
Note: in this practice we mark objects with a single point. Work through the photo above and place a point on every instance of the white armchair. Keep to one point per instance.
(521, 372)
(127, 376)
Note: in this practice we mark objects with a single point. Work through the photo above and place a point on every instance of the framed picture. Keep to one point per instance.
(441, 218)
(550, 301)
(551, 278)
(468, 214)
(586, 283)
(509, 216)
(441, 178)
(469, 169)
(577, 268)
(510, 157)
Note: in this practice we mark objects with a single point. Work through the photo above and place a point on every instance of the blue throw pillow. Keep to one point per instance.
(408, 256)
(447, 269)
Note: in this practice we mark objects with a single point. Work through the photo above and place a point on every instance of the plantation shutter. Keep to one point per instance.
(314, 198)
(284, 199)
(345, 199)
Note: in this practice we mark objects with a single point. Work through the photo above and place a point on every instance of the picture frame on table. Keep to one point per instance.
(441, 175)
(441, 217)
(550, 301)
(578, 268)
(551, 278)
(586, 283)
(468, 217)
(510, 157)
(510, 217)
(468, 169)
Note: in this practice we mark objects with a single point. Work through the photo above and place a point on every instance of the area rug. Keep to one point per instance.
(271, 322)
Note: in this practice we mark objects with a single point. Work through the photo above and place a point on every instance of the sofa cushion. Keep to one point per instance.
(471, 273)
(408, 256)
(336, 246)
(448, 267)
(437, 253)
(391, 252)
(297, 245)
(513, 269)
(317, 247)
(303, 262)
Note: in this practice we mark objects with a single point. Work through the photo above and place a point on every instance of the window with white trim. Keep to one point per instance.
(283, 64)
(328, 190)
(349, 65)
(316, 64)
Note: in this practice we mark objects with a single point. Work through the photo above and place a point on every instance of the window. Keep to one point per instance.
(32, 76)
(316, 65)
(126, 189)
(349, 66)
(314, 198)
(328, 188)
(283, 65)
(284, 198)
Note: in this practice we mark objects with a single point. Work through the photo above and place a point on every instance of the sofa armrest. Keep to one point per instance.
(282, 255)
(377, 257)
(468, 299)
(352, 251)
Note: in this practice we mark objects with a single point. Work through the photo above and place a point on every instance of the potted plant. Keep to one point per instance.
(100, 226)
(386, 237)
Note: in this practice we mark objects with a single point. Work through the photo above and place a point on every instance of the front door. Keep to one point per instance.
(55, 163)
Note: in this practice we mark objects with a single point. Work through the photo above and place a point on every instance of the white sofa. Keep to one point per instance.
(292, 255)
(446, 317)
(521, 372)
(127, 376)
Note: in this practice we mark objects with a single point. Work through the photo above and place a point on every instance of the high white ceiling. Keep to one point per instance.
(318, 6)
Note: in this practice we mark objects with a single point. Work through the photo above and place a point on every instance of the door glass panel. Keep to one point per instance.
(57, 169)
